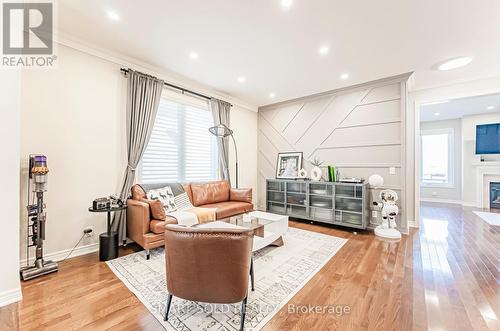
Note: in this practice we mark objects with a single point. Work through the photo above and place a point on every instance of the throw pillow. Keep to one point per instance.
(182, 202)
(157, 211)
(165, 196)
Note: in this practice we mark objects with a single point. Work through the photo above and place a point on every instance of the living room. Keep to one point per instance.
(266, 121)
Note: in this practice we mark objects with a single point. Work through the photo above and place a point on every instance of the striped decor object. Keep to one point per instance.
(182, 202)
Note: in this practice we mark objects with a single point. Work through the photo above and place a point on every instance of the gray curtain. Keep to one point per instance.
(220, 113)
(143, 98)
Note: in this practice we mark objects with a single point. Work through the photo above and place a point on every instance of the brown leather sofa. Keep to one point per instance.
(150, 233)
(219, 274)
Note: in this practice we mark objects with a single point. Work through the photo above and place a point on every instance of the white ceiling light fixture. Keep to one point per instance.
(272, 95)
(344, 76)
(193, 55)
(323, 50)
(436, 114)
(286, 3)
(242, 79)
(490, 107)
(454, 63)
(112, 15)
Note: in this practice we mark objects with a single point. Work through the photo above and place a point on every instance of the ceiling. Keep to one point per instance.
(277, 49)
(458, 108)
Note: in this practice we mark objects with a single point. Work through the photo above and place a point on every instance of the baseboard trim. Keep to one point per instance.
(10, 296)
(60, 255)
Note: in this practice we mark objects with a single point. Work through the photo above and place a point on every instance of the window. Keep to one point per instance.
(180, 148)
(437, 158)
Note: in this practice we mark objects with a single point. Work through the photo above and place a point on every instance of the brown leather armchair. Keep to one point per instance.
(218, 274)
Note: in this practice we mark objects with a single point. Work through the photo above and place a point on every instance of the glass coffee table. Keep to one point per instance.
(268, 229)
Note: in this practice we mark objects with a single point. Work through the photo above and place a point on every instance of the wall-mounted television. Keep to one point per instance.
(488, 139)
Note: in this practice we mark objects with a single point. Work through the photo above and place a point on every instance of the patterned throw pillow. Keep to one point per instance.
(165, 196)
(182, 202)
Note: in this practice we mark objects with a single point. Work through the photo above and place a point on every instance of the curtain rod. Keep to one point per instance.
(183, 90)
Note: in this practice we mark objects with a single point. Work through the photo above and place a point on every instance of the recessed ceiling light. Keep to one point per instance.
(490, 107)
(193, 55)
(242, 79)
(436, 114)
(113, 15)
(272, 95)
(286, 3)
(455, 63)
(323, 50)
(344, 76)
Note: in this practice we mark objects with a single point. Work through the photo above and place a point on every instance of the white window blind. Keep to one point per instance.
(180, 148)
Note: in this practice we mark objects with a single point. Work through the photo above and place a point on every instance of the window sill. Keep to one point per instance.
(427, 185)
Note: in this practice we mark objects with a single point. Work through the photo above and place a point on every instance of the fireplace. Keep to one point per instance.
(494, 195)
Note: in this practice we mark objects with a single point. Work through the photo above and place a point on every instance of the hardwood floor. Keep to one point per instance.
(443, 276)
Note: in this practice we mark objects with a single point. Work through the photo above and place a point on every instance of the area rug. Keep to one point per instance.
(280, 272)
(490, 218)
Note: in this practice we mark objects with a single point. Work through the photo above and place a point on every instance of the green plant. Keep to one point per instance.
(316, 162)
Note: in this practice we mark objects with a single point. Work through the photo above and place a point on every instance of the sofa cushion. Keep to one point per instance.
(229, 208)
(158, 226)
(211, 192)
(241, 194)
(156, 208)
(165, 196)
(182, 202)
(138, 191)
(187, 189)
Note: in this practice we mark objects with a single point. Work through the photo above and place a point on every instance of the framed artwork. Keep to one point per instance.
(289, 165)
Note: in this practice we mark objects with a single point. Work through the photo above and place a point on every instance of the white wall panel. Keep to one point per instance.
(361, 155)
(305, 118)
(357, 130)
(284, 116)
(337, 111)
(379, 134)
(383, 93)
(381, 112)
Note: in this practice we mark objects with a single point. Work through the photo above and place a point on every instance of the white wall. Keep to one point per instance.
(451, 194)
(359, 129)
(244, 124)
(10, 92)
(470, 159)
(415, 100)
(75, 115)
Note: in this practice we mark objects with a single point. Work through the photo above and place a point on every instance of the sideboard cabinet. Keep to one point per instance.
(344, 204)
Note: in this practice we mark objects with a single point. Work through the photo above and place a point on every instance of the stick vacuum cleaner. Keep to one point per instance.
(37, 185)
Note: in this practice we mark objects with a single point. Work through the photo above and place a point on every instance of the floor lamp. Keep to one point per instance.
(222, 131)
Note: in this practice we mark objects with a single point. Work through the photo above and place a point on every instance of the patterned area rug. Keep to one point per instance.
(280, 272)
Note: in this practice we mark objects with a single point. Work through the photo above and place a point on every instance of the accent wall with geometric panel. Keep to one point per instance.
(360, 130)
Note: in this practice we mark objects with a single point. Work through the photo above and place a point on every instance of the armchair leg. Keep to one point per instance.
(252, 274)
(147, 254)
(167, 307)
(243, 312)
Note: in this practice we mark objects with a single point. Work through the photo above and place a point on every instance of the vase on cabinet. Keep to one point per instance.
(316, 174)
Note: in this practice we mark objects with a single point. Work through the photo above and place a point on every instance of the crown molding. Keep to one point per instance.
(139, 65)
(373, 83)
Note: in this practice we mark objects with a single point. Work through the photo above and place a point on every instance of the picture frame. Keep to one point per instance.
(288, 165)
